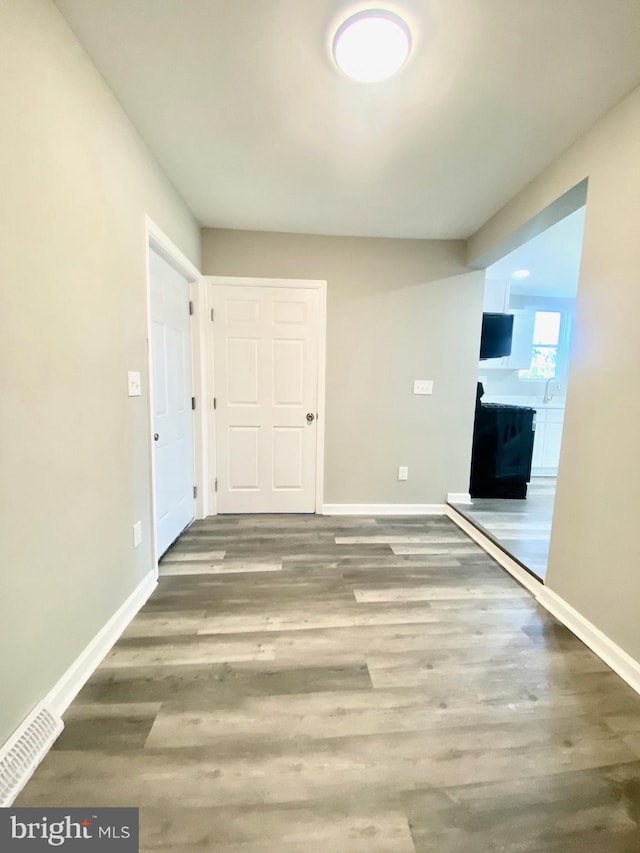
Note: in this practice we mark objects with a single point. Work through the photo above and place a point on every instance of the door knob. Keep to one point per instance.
(156, 436)
(310, 417)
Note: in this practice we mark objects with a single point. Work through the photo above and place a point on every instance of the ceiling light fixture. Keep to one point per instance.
(372, 45)
(521, 274)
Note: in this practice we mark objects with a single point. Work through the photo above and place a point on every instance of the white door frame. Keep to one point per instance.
(212, 281)
(157, 240)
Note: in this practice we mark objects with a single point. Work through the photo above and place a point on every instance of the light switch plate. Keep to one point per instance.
(423, 386)
(135, 388)
(403, 472)
(137, 534)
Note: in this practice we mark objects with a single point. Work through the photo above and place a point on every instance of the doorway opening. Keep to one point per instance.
(521, 395)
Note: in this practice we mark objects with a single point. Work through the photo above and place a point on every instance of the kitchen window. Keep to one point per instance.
(545, 346)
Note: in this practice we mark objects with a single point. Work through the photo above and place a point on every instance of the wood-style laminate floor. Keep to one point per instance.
(310, 684)
(522, 528)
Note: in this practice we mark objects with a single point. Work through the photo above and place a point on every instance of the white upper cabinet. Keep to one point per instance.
(522, 342)
(496, 296)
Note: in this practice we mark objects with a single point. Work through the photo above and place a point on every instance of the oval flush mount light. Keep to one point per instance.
(521, 274)
(372, 45)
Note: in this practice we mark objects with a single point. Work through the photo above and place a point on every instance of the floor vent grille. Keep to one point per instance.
(24, 750)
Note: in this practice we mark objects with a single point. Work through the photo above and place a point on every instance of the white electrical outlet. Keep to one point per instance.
(423, 386)
(135, 386)
(137, 534)
(403, 472)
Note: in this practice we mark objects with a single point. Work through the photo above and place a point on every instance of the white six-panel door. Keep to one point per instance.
(265, 363)
(171, 390)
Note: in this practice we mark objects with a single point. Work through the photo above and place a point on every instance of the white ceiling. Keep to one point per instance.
(241, 104)
(553, 258)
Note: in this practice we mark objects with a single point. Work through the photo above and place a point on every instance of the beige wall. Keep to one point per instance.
(594, 562)
(76, 181)
(398, 310)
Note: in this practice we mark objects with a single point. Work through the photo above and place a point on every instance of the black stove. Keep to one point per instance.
(502, 449)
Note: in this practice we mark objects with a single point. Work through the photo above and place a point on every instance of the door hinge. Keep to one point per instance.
(191, 306)
(212, 315)
(215, 485)
(193, 402)
(195, 491)
(215, 403)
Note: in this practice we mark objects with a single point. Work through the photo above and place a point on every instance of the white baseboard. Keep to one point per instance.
(459, 498)
(620, 662)
(383, 509)
(510, 565)
(68, 687)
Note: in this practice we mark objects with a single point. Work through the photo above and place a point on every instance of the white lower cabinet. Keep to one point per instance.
(538, 444)
(552, 439)
(546, 445)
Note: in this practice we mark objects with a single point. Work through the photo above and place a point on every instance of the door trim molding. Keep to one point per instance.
(243, 281)
(155, 239)
(320, 285)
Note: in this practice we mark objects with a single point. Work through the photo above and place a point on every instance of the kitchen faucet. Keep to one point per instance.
(548, 395)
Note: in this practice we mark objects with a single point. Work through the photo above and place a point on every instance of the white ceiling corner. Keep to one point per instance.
(240, 103)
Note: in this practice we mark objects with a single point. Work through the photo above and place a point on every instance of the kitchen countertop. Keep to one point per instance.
(532, 402)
